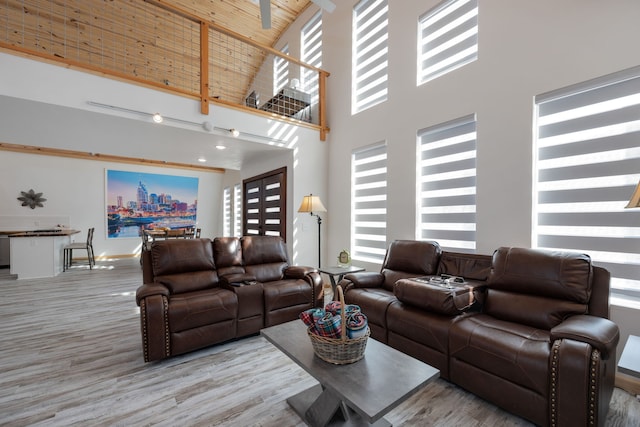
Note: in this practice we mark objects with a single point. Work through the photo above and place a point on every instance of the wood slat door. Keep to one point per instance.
(264, 204)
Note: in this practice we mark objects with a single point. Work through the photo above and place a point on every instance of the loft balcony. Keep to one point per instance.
(162, 46)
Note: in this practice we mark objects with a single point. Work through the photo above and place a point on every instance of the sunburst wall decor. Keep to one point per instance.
(32, 199)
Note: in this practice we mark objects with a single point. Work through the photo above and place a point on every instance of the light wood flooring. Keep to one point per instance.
(70, 355)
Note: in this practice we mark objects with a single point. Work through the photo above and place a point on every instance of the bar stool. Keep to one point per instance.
(88, 246)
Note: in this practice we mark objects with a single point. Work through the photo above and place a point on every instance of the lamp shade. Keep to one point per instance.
(311, 204)
(634, 202)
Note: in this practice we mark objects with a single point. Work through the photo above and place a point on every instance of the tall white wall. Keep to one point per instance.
(525, 48)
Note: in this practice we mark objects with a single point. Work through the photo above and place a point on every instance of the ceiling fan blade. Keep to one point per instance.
(265, 13)
(327, 5)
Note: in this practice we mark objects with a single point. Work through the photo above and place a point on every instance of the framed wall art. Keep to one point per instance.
(137, 201)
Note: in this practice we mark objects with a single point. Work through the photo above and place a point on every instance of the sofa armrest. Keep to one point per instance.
(298, 272)
(363, 279)
(149, 289)
(598, 332)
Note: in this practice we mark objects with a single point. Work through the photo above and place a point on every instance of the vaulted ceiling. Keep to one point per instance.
(239, 16)
(243, 16)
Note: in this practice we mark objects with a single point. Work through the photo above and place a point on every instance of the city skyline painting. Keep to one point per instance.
(138, 201)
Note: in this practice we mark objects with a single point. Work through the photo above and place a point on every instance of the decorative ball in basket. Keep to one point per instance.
(339, 332)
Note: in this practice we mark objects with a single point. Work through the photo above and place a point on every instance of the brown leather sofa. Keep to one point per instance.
(540, 345)
(198, 292)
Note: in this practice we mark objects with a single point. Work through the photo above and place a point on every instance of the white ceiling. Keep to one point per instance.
(46, 125)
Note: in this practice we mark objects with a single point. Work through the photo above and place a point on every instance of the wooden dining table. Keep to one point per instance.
(180, 233)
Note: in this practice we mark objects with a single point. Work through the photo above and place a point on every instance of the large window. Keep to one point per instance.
(588, 163)
(232, 211)
(447, 184)
(370, 51)
(311, 53)
(237, 210)
(280, 71)
(227, 212)
(447, 38)
(369, 203)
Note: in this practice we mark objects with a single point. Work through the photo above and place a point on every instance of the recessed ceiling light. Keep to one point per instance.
(202, 159)
(220, 146)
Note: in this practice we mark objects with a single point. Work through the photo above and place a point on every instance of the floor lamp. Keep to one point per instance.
(313, 204)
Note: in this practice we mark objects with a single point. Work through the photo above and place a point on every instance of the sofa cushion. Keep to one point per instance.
(554, 274)
(227, 254)
(514, 352)
(177, 256)
(286, 293)
(194, 309)
(264, 250)
(189, 282)
(374, 303)
(538, 288)
(267, 272)
(423, 327)
(469, 266)
(532, 310)
(413, 256)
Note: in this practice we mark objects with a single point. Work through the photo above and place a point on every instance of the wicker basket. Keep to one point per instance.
(339, 351)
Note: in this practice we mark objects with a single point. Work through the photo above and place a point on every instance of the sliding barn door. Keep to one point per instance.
(265, 204)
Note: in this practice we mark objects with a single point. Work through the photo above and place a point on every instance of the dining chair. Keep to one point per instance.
(88, 246)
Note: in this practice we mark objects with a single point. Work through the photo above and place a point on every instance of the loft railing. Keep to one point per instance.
(159, 45)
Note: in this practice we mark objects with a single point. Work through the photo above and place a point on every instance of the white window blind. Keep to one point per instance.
(227, 212)
(447, 38)
(370, 51)
(237, 210)
(280, 71)
(447, 184)
(369, 203)
(311, 53)
(588, 163)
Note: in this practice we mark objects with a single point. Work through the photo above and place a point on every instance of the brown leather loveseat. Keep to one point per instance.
(540, 345)
(198, 292)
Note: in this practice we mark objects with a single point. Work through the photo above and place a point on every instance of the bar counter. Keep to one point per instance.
(38, 253)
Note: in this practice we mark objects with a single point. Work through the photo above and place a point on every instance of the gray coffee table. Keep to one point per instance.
(360, 393)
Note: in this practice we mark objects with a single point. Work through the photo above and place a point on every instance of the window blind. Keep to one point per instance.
(447, 184)
(370, 51)
(227, 213)
(237, 210)
(369, 203)
(588, 163)
(311, 53)
(280, 71)
(447, 38)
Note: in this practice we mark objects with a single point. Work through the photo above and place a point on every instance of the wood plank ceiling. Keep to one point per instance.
(243, 16)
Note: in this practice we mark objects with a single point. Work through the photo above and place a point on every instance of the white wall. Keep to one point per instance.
(525, 48)
(76, 189)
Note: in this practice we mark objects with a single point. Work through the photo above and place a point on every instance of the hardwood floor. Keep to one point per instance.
(71, 356)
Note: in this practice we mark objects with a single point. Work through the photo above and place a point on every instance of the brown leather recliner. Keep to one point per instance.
(182, 306)
(197, 292)
(543, 347)
(540, 345)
